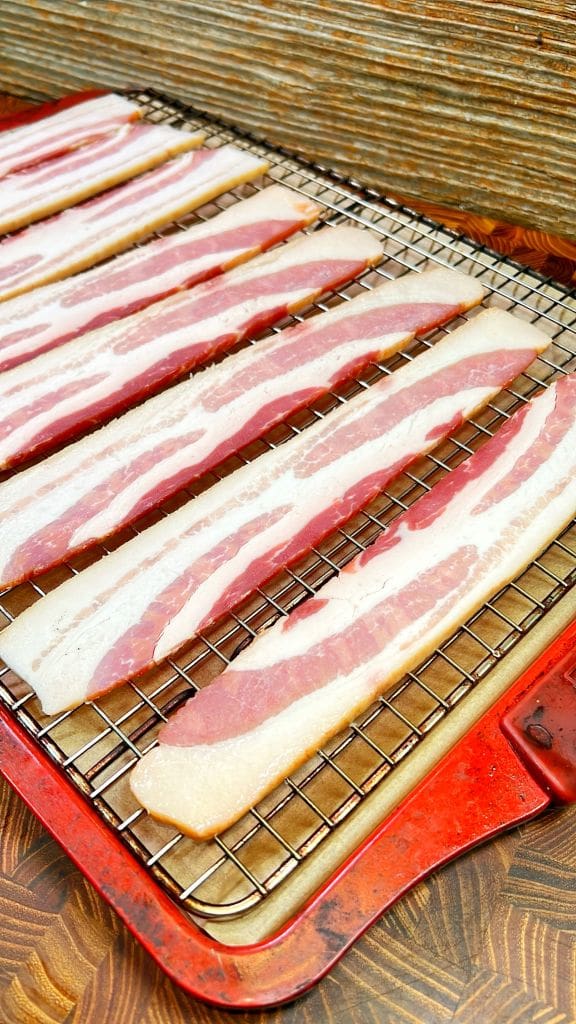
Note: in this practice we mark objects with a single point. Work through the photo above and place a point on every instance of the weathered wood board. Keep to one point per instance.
(65, 958)
(468, 103)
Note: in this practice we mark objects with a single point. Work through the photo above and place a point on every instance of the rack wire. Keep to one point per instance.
(98, 744)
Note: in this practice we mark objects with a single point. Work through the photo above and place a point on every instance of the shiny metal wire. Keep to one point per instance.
(98, 745)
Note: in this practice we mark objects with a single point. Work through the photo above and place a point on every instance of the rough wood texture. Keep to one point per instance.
(488, 940)
(465, 103)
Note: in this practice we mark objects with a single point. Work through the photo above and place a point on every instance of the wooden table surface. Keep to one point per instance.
(489, 940)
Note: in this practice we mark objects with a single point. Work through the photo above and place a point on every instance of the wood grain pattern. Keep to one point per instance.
(468, 104)
(491, 939)
(463, 948)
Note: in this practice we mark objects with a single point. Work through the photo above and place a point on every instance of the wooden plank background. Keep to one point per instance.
(468, 103)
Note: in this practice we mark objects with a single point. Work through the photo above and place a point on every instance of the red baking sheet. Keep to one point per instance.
(490, 790)
(500, 774)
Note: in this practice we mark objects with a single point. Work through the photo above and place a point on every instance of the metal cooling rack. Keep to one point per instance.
(98, 744)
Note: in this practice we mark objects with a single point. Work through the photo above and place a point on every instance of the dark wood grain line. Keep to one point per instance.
(537, 954)
(469, 108)
(444, 925)
(121, 988)
(24, 918)
(493, 999)
(552, 835)
(543, 885)
(18, 830)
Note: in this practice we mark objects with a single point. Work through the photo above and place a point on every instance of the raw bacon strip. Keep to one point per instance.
(64, 130)
(38, 321)
(316, 670)
(142, 602)
(56, 395)
(85, 234)
(38, 191)
(107, 479)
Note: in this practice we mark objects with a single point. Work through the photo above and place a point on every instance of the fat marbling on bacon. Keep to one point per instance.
(312, 673)
(38, 191)
(58, 394)
(38, 321)
(63, 130)
(112, 476)
(83, 235)
(141, 603)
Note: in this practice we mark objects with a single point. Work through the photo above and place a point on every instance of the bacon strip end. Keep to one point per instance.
(312, 673)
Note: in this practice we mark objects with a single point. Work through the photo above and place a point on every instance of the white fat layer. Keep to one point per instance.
(298, 495)
(203, 788)
(80, 121)
(51, 306)
(92, 354)
(512, 525)
(231, 775)
(80, 235)
(180, 412)
(44, 642)
(218, 425)
(116, 603)
(30, 193)
(62, 480)
(81, 225)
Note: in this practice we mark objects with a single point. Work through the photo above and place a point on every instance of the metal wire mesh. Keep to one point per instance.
(98, 744)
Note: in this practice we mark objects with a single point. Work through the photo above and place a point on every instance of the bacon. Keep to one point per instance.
(111, 477)
(141, 603)
(38, 321)
(312, 673)
(63, 131)
(85, 234)
(46, 188)
(83, 382)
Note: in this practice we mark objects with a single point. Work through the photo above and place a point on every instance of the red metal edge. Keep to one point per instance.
(35, 113)
(541, 727)
(494, 790)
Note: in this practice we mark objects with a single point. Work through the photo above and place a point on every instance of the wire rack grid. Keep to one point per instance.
(98, 744)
